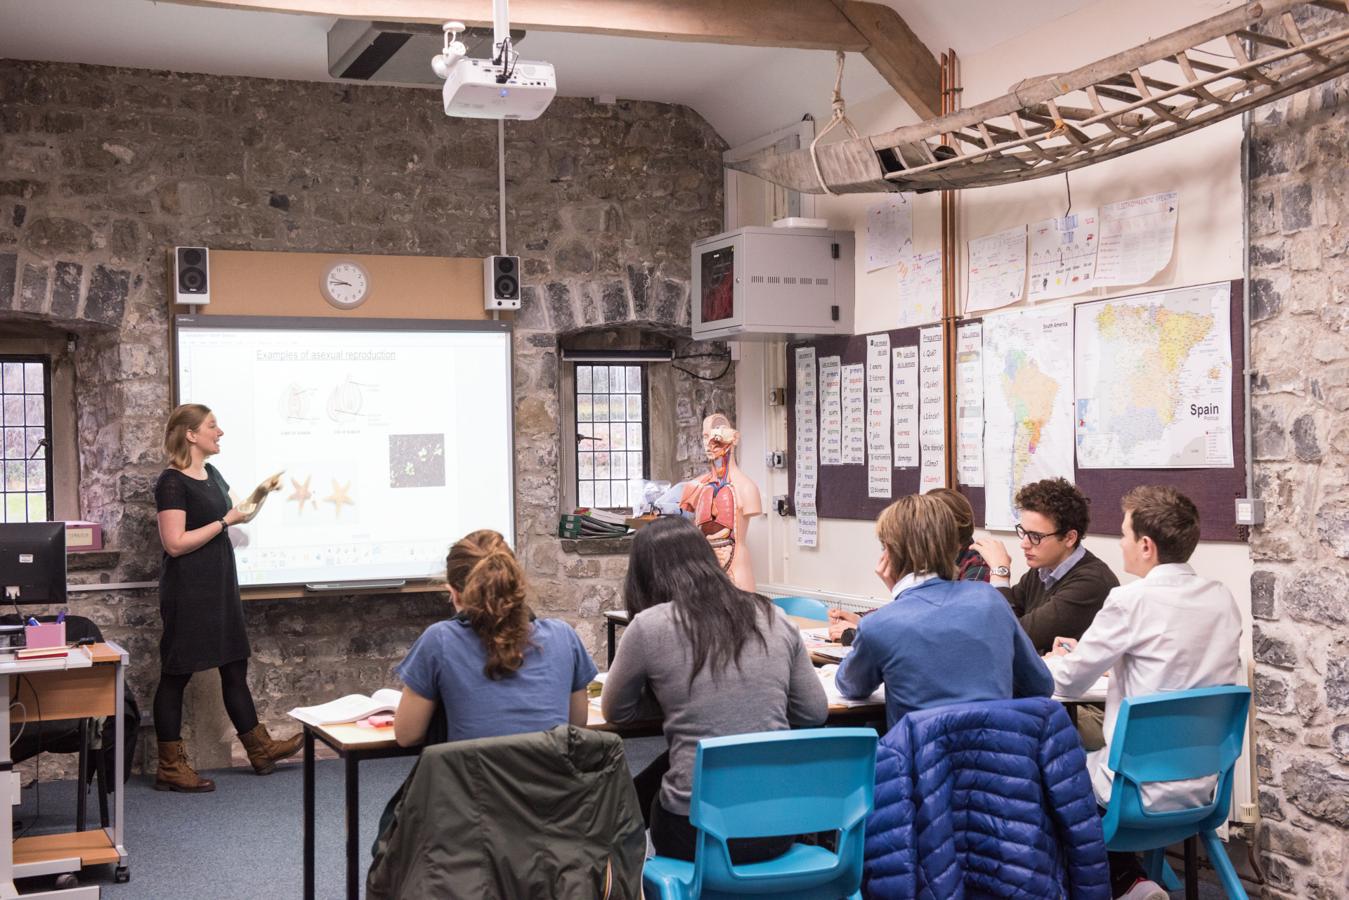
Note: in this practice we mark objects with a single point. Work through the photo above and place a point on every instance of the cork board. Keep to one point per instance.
(266, 283)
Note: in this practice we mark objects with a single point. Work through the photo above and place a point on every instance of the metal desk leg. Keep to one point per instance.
(308, 814)
(353, 830)
(1192, 867)
(82, 797)
(610, 627)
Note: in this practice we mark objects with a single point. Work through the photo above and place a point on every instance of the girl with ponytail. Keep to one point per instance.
(495, 668)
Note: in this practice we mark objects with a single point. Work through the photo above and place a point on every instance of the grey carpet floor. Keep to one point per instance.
(243, 842)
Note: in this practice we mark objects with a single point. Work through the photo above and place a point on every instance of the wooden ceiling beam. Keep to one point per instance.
(902, 59)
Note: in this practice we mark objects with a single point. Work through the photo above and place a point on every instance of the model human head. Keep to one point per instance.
(719, 437)
(191, 426)
(1161, 525)
(1053, 521)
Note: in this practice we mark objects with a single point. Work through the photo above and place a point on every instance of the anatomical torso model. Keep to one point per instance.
(724, 500)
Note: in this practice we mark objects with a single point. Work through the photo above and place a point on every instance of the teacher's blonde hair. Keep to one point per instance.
(185, 418)
(920, 534)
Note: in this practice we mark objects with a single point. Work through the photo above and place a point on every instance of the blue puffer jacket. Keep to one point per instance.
(985, 800)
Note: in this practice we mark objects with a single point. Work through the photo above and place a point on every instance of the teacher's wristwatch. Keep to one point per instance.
(224, 526)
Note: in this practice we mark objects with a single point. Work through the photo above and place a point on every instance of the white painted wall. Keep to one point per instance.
(1204, 167)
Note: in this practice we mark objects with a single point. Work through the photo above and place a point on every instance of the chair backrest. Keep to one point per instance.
(805, 607)
(781, 783)
(1172, 736)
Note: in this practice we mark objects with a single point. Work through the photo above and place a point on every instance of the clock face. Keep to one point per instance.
(346, 284)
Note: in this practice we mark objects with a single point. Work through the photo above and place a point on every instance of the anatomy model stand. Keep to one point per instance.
(724, 500)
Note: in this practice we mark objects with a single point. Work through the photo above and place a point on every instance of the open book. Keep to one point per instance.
(349, 708)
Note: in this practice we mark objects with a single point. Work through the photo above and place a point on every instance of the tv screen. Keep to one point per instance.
(718, 282)
(33, 562)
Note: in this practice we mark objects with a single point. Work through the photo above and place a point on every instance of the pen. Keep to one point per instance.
(32, 621)
(60, 617)
(1065, 646)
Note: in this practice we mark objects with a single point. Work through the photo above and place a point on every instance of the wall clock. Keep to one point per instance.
(346, 284)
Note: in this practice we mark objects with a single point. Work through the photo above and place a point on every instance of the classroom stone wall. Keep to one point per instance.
(102, 170)
(1299, 256)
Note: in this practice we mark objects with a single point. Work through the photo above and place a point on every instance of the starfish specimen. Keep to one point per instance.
(339, 497)
(302, 493)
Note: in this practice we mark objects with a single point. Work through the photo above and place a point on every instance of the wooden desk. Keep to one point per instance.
(87, 683)
(354, 744)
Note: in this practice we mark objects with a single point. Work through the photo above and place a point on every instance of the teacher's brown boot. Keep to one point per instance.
(174, 773)
(263, 752)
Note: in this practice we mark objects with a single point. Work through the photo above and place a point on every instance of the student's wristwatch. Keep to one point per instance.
(1002, 572)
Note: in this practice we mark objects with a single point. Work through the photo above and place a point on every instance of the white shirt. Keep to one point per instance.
(1169, 631)
(913, 579)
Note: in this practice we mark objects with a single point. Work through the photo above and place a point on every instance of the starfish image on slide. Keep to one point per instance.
(302, 493)
(339, 497)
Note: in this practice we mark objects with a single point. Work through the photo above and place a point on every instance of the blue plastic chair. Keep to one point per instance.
(773, 783)
(1167, 737)
(805, 607)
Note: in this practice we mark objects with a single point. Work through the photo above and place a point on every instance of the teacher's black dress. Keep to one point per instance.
(199, 591)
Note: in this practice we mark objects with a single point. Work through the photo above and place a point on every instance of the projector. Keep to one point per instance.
(472, 90)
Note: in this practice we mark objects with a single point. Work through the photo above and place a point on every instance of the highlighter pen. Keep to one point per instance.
(1065, 646)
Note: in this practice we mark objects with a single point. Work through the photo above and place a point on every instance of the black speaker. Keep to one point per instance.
(191, 275)
(501, 282)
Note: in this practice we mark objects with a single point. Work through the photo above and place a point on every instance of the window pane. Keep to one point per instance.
(601, 465)
(583, 379)
(14, 443)
(620, 494)
(585, 493)
(13, 378)
(36, 409)
(584, 408)
(634, 407)
(619, 437)
(634, 465)
(599, 381)
(585, 465)
(634, 435)
(600, 432)
(13, 410)
(14, 475)
(634, 380)
(33, 378)
(601, 493)
(616, 379)
(35, 436)
(16, 508)
(37, 507)
(37, 475)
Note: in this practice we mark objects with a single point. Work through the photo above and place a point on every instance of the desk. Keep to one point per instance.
(354, 743)
(86, 683)
(616, 618)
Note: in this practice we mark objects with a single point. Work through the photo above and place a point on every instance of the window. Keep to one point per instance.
(612, 443)
(25, 415)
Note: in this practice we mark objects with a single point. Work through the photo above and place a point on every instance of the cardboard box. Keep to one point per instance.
(83, 536)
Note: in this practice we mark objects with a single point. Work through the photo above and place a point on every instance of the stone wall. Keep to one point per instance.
(1299, 210)
(102, 170)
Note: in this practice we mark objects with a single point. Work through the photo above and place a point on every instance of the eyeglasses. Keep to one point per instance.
(1035, 537)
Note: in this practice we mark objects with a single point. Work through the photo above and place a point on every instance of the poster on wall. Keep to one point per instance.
(878, 416)
(931, 410)
(831, 411)
(920, 289)
(996, 270)
(1063, 255)
(889, 231)
(807, 469)
(970, 404)
(905, 392)
(854, 415)
(1137, 238)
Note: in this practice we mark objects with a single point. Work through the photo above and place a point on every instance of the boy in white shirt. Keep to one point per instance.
(1171, 630)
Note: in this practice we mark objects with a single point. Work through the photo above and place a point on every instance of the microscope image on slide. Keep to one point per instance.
(416, 460)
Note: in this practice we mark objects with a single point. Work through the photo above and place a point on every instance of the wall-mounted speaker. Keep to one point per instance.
(191, 275)
(501, 282)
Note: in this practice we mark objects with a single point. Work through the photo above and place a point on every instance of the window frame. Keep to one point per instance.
(45, 360)
(571, 442)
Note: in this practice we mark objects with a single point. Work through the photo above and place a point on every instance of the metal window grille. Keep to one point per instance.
(26, 420)
(612, 441)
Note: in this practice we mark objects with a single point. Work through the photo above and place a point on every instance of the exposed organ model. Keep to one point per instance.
(724, 500)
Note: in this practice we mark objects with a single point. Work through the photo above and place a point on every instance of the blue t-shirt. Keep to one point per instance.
(447, 662)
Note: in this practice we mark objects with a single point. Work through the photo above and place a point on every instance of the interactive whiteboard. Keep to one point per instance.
(394, 434)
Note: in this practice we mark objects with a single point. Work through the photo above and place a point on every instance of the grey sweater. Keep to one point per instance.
(771, 690)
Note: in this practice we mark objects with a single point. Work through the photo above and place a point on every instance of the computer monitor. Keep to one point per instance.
(33, 562)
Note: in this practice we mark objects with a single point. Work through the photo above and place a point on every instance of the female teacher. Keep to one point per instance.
(199, 600)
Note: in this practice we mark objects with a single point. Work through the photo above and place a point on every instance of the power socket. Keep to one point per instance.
(775, 459)
(1250, 511)
(780, 504)
(777, 397)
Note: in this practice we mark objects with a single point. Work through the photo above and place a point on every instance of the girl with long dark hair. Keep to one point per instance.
(717, 660)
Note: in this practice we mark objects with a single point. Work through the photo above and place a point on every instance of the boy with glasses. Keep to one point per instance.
(1066, 584)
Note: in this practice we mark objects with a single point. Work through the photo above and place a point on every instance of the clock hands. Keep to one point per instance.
(335, 282)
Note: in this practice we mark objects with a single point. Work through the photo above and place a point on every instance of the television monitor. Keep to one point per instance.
(33, 562)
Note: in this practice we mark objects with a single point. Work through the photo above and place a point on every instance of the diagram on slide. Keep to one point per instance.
(416, 460)
(297, 404)
(350, 401)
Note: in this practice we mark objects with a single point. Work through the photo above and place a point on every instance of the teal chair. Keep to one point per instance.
(1167, 737)
(805, 607)
(773, 783)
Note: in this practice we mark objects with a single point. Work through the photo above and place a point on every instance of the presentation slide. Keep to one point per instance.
(393, 439)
